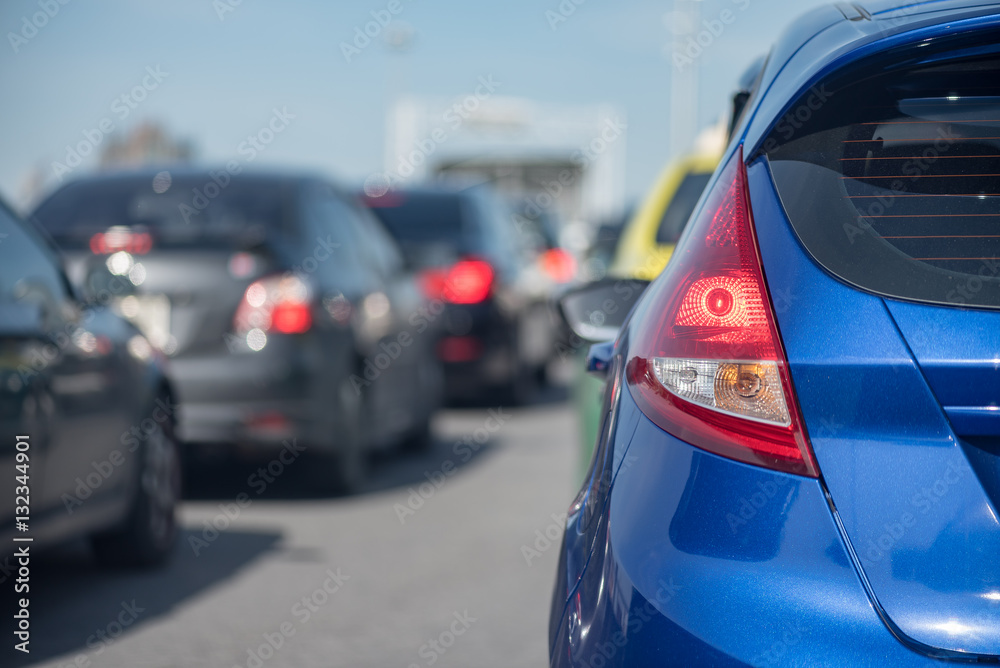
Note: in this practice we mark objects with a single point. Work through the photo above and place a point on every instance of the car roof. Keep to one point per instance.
(188, 172)
(444, 189)
(831, 36)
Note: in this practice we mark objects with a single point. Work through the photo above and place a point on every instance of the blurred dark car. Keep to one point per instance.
(87, 439)
(498, 328)
(282, 302)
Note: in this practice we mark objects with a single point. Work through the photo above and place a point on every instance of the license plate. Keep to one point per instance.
(151, 314)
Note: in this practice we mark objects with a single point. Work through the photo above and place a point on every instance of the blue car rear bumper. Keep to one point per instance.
(700, 560)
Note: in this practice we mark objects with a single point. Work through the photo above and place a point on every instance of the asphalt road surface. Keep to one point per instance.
(442, 561)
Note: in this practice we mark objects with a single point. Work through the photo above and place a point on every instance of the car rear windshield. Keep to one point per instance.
(681, 205)
(890, 175)
(421, 218)
(192, 211)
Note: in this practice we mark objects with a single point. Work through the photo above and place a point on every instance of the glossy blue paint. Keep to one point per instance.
(682, 557)
(905, 492)
(959, 353)
(599, 358)
(713, 562)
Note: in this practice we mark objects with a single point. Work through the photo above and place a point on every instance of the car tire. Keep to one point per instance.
(147, 536)
(343, 467)
(521, 389)
(420, 439)
(430, 381)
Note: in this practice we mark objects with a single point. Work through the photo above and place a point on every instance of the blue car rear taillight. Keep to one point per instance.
(706, 362)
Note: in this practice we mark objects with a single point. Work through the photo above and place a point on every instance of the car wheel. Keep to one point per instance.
(430, 382)
(521, 389)
(149, 532)
(343, 468)
(420, 439)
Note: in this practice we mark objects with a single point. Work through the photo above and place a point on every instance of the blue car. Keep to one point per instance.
(799, 462)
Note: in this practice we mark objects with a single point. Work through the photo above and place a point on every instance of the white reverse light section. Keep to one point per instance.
(746, 389)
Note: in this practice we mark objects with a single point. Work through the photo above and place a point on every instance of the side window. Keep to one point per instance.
(29, 271)
(384, 249)
(496, 230)
(329, 237)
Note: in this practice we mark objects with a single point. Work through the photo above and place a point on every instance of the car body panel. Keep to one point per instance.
(889, 558)
(72, 383)
(898, 475)
(714, 562)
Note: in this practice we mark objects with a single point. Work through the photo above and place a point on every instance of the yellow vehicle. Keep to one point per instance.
(643, 250)
(648, 240)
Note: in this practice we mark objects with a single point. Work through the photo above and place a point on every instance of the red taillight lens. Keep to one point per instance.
(291, 317)
(121, 239)
(466, 282)
(274, 303)
(459, 349)
(706, 362)
(558, 264)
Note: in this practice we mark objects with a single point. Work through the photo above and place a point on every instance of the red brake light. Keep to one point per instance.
(706, 362)
(291, 317)
(121, 239)
(274, 303)
(558, 264)
(468, 281)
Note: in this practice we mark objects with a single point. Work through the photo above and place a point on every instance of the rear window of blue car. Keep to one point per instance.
(890, 175)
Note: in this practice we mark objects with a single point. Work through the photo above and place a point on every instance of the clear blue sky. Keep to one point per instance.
(225, 76)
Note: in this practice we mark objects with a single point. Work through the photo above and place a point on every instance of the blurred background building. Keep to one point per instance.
(568, 159)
